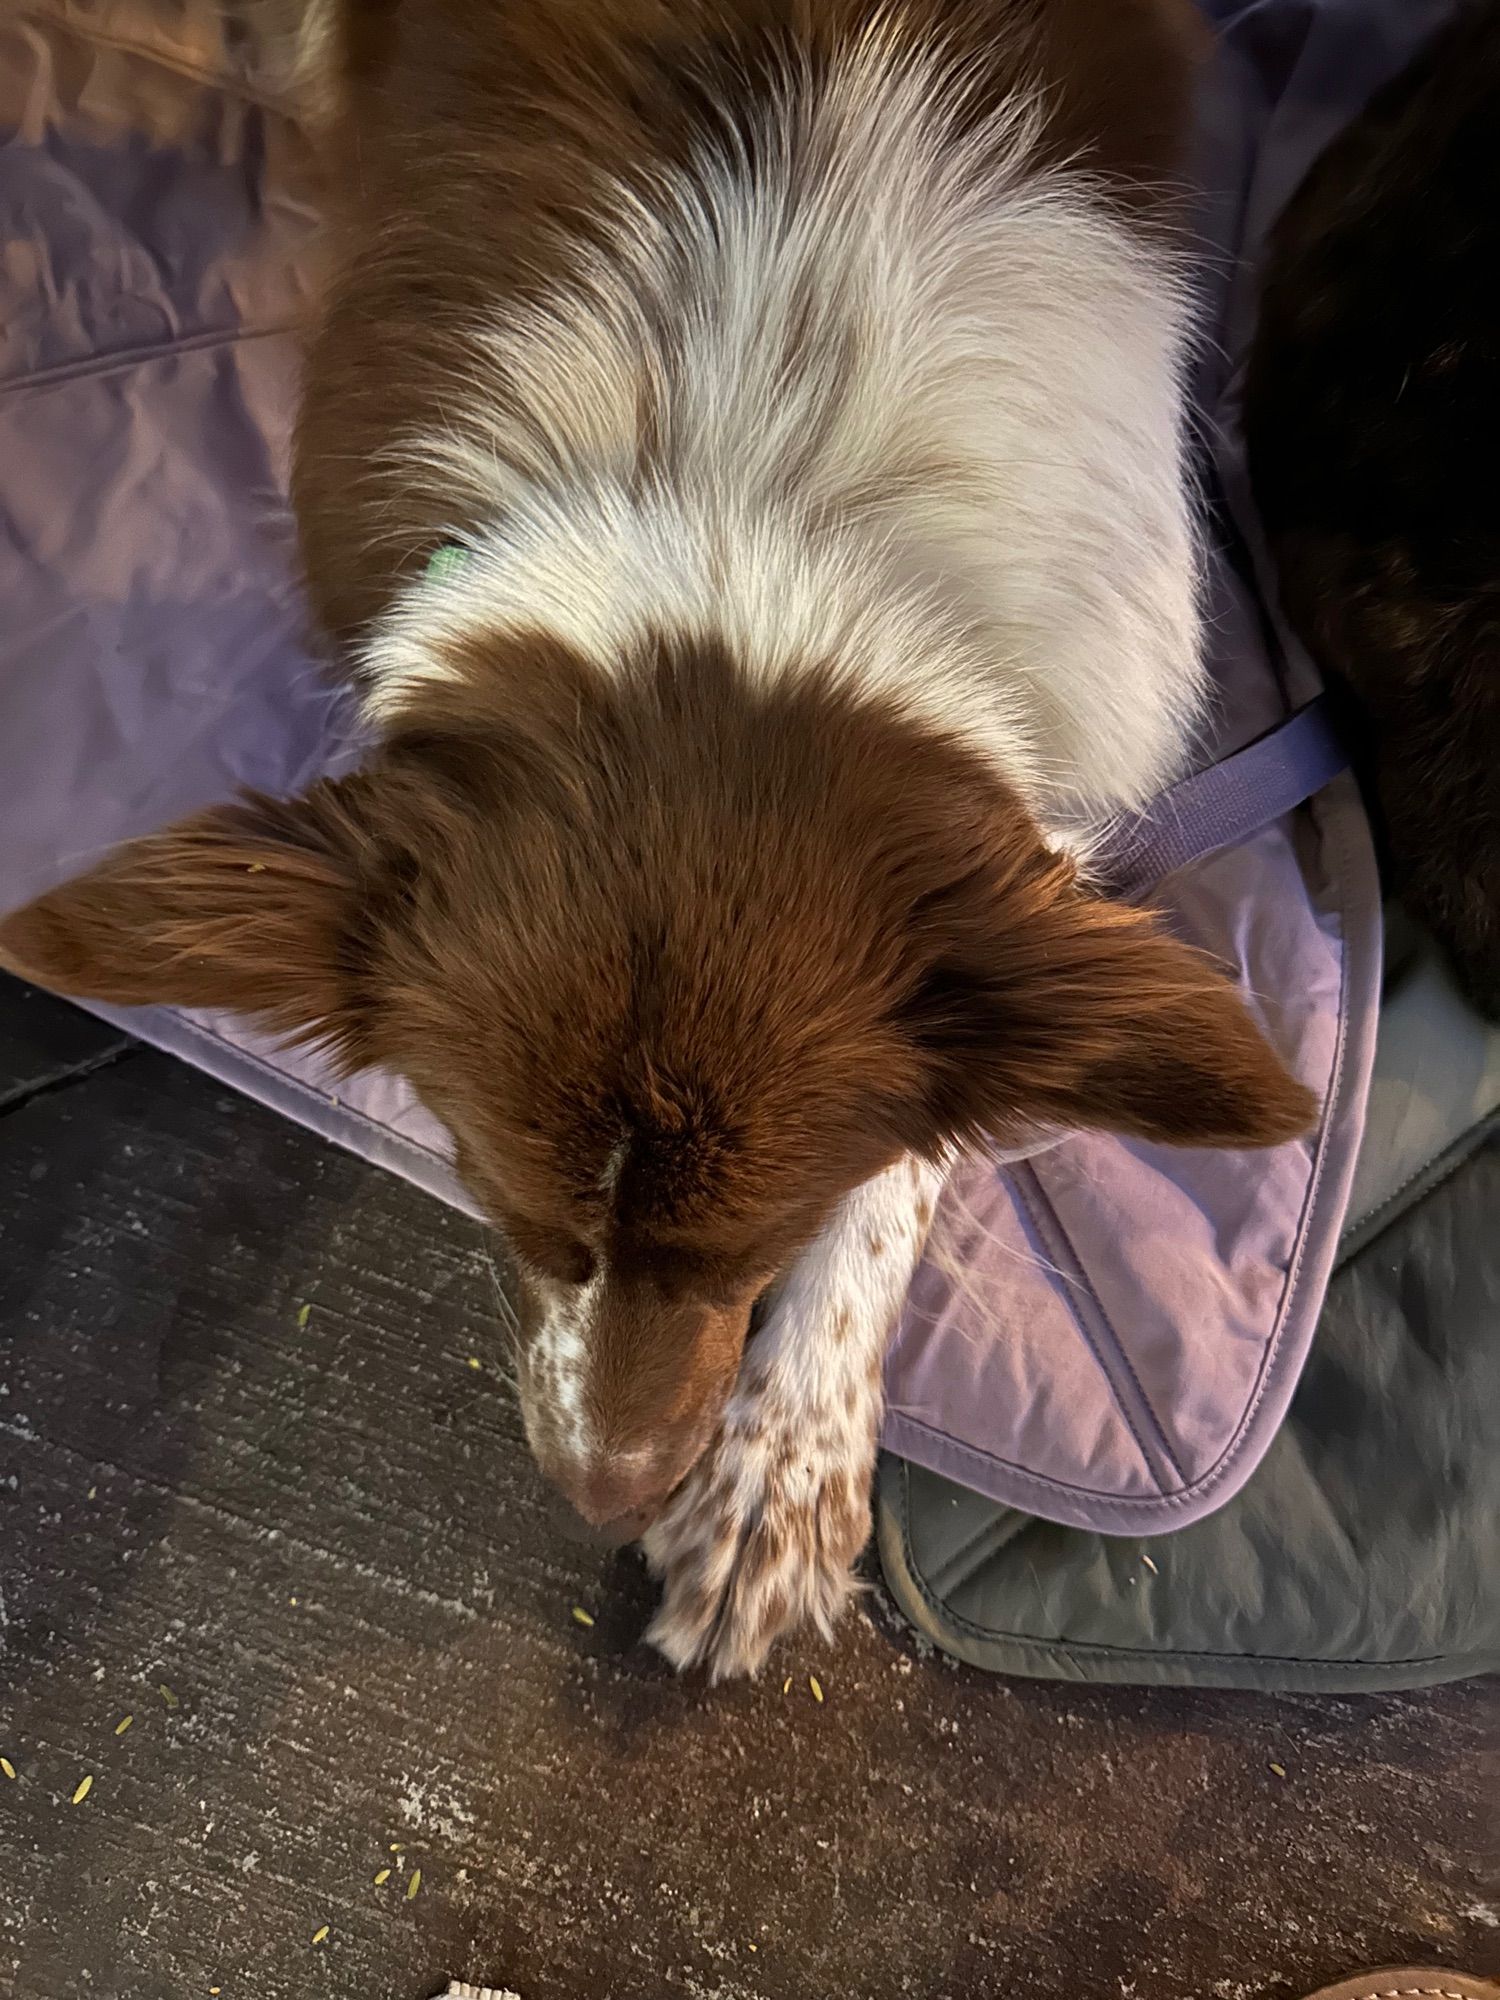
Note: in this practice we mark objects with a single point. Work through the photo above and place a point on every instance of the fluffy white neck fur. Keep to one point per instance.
(917, 413)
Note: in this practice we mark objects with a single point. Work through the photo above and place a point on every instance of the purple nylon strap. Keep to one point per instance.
(1227, 802)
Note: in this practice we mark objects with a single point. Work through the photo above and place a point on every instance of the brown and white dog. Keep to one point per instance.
(792, 389)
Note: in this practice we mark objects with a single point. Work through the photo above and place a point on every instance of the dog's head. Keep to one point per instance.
(680, 961)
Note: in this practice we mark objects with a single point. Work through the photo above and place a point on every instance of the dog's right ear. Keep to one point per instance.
(1043, 1004)
(251, 907)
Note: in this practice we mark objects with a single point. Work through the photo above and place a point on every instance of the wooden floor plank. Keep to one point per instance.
(244, 1458)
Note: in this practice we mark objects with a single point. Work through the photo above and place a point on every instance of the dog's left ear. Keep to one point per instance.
(1060, 1008)
(249, 907)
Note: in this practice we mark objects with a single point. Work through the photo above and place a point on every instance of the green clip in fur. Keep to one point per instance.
(445, 562)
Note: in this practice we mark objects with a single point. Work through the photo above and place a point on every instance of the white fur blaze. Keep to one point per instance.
(555, 1378)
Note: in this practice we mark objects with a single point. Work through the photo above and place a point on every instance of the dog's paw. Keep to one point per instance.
(760, 1538)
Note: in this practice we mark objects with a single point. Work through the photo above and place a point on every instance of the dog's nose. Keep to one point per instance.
(615, 1534)
(616, 1495)
(610, 1492)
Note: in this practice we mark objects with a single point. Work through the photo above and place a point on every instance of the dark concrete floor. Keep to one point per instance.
(255, 1495)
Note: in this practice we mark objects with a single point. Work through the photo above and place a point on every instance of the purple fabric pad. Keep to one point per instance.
(1106, 1333)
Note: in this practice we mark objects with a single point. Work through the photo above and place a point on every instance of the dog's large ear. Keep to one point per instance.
(1066, 1009)
(248, 907)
